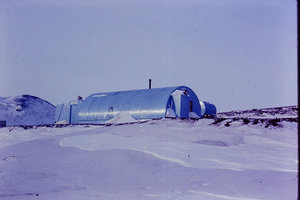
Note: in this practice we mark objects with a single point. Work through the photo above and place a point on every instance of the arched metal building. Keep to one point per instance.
(207, 108)
(140, 104)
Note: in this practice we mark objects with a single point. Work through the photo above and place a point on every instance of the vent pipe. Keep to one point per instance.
(149, 83)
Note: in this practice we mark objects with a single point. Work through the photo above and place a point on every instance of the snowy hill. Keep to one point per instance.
(26, 110)
(155, 160)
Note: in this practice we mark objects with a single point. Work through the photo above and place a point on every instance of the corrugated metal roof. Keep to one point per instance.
(140, 104)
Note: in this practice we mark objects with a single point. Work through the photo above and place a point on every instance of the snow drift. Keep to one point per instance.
(26, 110)
(121, 118)
(155, 160)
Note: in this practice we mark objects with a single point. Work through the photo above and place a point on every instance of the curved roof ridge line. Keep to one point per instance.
(99, 93)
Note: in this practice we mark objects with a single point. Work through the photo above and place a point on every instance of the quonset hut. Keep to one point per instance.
(153, 103)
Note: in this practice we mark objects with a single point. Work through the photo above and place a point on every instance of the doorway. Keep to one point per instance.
(190, 106)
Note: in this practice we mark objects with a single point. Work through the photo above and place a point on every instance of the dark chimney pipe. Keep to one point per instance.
(149, 83)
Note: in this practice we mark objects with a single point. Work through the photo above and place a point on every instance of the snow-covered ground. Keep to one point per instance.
(154, 160)
(277, 112)
(26, 110)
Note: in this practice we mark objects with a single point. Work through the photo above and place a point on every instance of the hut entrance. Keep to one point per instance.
(190, 106)
(181, 100)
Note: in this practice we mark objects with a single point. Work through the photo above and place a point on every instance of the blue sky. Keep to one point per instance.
(235, 54)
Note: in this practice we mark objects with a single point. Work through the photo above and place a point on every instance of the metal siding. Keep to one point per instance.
(202, 106)
(65, 114)
(141, 104)
(125, 100)
(115, 103)
(58, 111)
(84, 108)
(171, 103)
(134, 108)
(93, 108)
(100, 109)
(210, 109)
(155, 102)
(74, 114)
(177, 104)
(184, 107)
(196, 105)
(74, 109)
